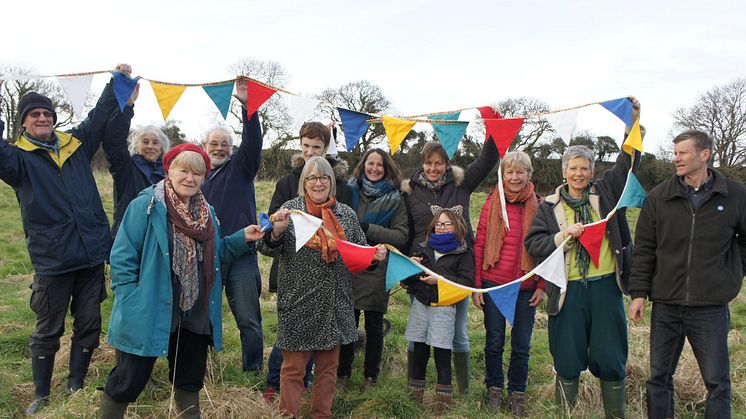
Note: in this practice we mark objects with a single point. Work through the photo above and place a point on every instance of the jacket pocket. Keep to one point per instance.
(44, 241)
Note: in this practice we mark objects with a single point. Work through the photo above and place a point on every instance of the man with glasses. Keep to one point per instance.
(66, 229)
(230, 190)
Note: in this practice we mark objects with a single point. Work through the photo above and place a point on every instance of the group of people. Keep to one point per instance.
(185, 229)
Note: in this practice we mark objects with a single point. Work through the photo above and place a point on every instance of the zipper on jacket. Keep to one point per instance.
(689, 256)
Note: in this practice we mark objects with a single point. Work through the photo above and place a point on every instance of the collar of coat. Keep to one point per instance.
(68, 145)
(671, 188)
(559, 212)
(453, 174)
(339, 166)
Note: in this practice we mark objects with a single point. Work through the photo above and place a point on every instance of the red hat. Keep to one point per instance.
(175, 151)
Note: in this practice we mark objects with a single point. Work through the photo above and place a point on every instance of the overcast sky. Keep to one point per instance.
(427, 56)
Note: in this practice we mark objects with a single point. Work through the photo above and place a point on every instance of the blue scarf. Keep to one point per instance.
(383, 199)
(443, 243)
(153, 171)
(53, 146)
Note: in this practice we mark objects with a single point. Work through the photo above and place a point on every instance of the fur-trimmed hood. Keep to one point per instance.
(339, 166)
(453, 174)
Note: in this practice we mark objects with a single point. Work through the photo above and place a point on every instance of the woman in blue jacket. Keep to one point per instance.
(165, 269)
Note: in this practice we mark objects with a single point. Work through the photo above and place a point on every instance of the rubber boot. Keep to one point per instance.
(614, 397)
(187, 404)
(566, 393)
(462, 369)
(410, 363)
(416, 390)
(80, 359)
(110, 409)
(41, 368)
(443, 398)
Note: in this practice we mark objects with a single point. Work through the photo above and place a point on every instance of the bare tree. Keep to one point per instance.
(721, 112)
(360, 96)
(533, 128)
(275, 119)
(13, 90)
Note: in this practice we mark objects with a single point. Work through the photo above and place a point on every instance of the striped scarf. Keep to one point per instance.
(583, 215)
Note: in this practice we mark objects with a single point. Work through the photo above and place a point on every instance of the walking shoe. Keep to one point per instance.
(416, 390)
(443, 398)
(269, 394)
(495, 399)
(516, 404)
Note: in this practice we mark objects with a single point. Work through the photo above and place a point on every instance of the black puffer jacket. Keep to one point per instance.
(457, 265)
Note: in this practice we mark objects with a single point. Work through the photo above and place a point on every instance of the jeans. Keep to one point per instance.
(706, 328)
(243, 285)
(373, 347)
(274, 366)
(520, 343)
(461, 335)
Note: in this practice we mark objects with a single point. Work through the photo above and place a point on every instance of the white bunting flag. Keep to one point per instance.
(77, 90)
(300, 108)
(305, 227)
(563, 123)
(553, 269)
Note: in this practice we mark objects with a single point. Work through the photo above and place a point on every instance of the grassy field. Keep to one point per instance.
(231, 393)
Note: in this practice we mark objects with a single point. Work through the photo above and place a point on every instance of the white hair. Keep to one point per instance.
(136, 137)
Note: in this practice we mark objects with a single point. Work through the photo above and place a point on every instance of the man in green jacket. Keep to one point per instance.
(690, 260)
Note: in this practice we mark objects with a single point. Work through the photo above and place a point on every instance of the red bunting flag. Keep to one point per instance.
(503, 131)
(258, 94)
(488, 112)
(357, 258)
(591, 239)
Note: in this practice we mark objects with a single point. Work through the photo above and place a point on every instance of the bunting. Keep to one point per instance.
(300, 108)
(505, 299)
(563, 123)
(634, 139)
(124, 85)
(76, 89)
(167, 95)
(305, 227)
(621, 107)
(221, 96)
(503, 132)
(552, 269)
(264, 222)
(633, 195)
(399, 268)
(591, 239)
(354, 126)
(449, 294)
(396, 130)
(357, 258)
(258, 94)
(449, 135)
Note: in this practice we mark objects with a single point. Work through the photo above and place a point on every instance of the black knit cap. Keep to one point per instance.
(33, 100)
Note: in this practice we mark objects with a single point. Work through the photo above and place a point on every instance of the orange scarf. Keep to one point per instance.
(321, 241)
(496, 225)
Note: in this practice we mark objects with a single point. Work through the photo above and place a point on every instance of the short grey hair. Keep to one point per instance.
(322, 166)
(517, 159)
(222, 129)
(575, 151)
(136, 137)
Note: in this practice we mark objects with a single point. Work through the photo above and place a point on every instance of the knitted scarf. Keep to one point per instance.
(583, 215)
(430, 185)
(443, 243)
(321, 241)
(496, 225)
(194, 242)
(383, 199)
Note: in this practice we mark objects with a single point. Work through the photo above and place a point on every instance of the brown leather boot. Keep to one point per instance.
(516, 404)
(495, 399)
(417, 390)
(443, 398)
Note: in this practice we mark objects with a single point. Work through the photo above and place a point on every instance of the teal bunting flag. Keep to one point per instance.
(124, 85)
(353, 126)
(221, 96)
(622, 108)
(445, 116)
(399, 268)
(450, 135)
(505, 299)
(634, 195)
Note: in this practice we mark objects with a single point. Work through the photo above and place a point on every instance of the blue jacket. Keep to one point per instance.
(64, 222)
(230, 187)
(141, 316)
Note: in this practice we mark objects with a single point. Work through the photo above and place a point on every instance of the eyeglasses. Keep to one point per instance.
(447, 224)
(323, 179)
(219, 145)
(38, 114)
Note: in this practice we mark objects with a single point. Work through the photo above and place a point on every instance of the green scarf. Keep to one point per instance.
(583, 215)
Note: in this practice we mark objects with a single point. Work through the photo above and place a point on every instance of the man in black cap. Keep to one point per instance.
(67, 232)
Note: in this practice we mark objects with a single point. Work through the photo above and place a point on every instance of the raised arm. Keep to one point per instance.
(11, 165)
(480, 168)
(249, 154)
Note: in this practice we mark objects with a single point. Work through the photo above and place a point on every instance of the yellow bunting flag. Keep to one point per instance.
(450, 294)
(167, 95)
(396, 130)
(634, 139)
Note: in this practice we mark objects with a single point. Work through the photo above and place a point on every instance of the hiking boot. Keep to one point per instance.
(443, 398)
(416, 390)
(516, 404)
(269, 395)
(495, 398)
(370, 382)
(343, 383)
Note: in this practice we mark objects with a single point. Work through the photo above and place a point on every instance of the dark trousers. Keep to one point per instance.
(520, 343)
(373, 347)
(274, 366)
(706, 328)
(83, 291)
(442, 363)
(243, 286)
(187, 363)
(590, 331)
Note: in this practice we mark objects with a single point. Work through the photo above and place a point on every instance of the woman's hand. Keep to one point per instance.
(478, 299)
(381, 252)
(635, 108)
(429, 280)
(574, 231)
(537, 298)
(253, 233)
(417, 259)
(124, 68)
(242, 91)
(280, 221)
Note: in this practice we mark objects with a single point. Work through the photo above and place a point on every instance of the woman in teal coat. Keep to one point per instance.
(165, 269)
